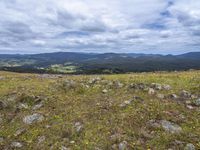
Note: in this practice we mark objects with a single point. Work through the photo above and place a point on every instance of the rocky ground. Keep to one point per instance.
(150, 111)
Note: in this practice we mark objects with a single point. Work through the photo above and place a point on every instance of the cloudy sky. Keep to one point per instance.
(138, 26)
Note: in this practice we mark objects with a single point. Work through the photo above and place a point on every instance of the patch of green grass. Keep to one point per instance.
(99, 112)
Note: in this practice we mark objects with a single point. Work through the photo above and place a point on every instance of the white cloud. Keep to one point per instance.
(150, 26)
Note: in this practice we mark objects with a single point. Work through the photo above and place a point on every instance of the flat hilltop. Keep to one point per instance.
(150, 111)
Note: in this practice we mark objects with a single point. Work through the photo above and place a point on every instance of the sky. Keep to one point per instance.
(100, 26)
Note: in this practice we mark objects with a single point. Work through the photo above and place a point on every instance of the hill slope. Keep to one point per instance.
(91, 63)
(102, 112)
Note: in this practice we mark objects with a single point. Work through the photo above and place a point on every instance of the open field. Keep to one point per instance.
(154, 111)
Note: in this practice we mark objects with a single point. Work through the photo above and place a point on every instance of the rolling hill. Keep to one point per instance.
(90, 63)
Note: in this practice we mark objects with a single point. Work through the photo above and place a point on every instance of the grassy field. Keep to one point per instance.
(100, 112)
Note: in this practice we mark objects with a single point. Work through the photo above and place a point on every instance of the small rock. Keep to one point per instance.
(173, 96)
(22, 106)
(105, 91)
(38, 106)
(2, 78)
(3, 105)
(64, 148)
(189, 147)
(151, 91)
(170, 127)
(188, 102)
(166, 87)
(197, 102)
(125, 103)
(33, 118)
(160, 96)
(16, 144)
(154, 123)
(1, 139)
(118, 84)
(72, 142)
(115, 137)
(1, 120)
(185, 94)
(156, 86)
(41, 139)
(190, 107)
(114, 147)
(123, 145)
(19, 132)
(94, 80)
(194, 96)
(138, 86)
(78, 126)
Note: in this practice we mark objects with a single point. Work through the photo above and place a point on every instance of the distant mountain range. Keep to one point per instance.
(92, 63)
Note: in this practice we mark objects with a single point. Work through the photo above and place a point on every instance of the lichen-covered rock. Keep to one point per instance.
(19, 132)
(3, 105)
(16, 145)
(197, 102)
(78, 126)
(41, 139)
(123, 145)
(160, 96)
(1, 139)
(104, 91)
(170, 127)
(156, 86)
(189, 146)
(173, 96)
(33, 118)
(37, 106)
(166, 87)
(185, 94)
(151, 91)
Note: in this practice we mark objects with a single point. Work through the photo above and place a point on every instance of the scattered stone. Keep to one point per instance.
(2, 78)
(115, 137)
(16, 145)
(194, 96)
(170, 127)
(166, 87)
(189, 146)
(78, 126)
(126, 103)
(160, 96)
(188, 102)
(197, 102)
(69, 84)
(94, 80)
(19, 132)
(1, 139)
(185, 94)
(114, 147)
(64, 148)
(72, 142)
(41, 139)
(190, 107)
(33, 118)
(3, 105)
(123, 145)
(1, 120)
(139, 86)
(105, 91)
(173, 96)
(151, 91)
(22, 106)
(154, 123)
(156, 86)
(118, 84)
(37, 106)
